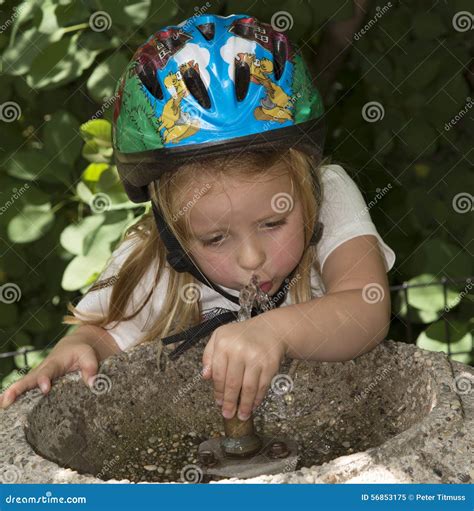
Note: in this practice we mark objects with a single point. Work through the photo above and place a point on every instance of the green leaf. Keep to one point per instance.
(98, 131)
(84, 193)
(123, 13)
(61, 62)
(433, 338)
(31, 224)
(76, 238)
(93, 172)
(82, 269)
(33, 359)
(416, 315)
(430, 298)
(103, 80)
(29, 164)
(49, 23)
(73, 12)
(95, 153)
(61, 137)
(436, 255)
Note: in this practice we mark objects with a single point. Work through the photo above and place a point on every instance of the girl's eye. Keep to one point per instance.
(215, 241)
(277, 223)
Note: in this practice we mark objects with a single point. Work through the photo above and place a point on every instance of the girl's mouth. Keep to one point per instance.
(266, 286)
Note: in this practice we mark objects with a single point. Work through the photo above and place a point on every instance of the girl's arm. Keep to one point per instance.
(103, 343)
(351, 319)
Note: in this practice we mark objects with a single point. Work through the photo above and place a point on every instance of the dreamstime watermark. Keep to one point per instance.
(17, 193)
(381, 11)
(282, 21)
(185, 389)
(10, 293)
(20, 373)
(10, 474)
(198, 11)
(9, 22)
(100, 384)
(282, 202)
(373, 111)
(108, 102)
(377, 379)
(107, 466)
(288, 285)
(463, 383)
(373, 293)
(100, 202)
(381, 192)
(282, 112)
(198, 194)
(282, 384)
(460, 296)
(10, 111)
(100, 21)
(191, 474)
(454, 120)
(463, 202)
(190, 293)
(47, 498)
(463, 21)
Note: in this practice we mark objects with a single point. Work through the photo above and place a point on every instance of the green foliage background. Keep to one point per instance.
(56, 158)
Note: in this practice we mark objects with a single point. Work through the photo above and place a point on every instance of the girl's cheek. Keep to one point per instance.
(215, 265)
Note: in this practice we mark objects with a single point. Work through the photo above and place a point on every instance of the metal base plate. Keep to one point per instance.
(258, 464)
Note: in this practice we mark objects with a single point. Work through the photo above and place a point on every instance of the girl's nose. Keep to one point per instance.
(251, 255)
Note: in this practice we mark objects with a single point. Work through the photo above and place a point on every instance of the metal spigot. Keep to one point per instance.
(240, 439)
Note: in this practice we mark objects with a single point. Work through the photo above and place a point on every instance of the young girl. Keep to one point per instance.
(217, 123)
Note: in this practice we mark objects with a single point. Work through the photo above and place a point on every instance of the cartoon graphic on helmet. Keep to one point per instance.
(276, 104)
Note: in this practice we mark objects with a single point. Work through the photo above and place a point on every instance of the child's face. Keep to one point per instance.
(242, 228)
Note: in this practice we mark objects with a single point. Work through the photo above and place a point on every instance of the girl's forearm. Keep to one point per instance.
(335, 327)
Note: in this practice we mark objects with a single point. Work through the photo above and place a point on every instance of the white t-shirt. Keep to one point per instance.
(344, 214)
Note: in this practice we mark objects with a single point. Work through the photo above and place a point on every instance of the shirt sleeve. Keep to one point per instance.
(345, 215)
(125, 333)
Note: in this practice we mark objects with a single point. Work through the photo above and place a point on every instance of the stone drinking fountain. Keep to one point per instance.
(398, 414)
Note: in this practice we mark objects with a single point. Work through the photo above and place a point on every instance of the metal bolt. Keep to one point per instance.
(278, 450)
(207, 458)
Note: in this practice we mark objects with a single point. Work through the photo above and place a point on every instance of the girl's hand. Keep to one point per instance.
(68, 355)
(242, 356)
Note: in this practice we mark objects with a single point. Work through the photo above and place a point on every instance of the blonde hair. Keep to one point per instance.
(168, 192)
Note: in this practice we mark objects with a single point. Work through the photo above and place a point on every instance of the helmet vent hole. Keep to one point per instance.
(280, 51)
(196, 87)
(208, 30)
(242, 79)
(148, 77)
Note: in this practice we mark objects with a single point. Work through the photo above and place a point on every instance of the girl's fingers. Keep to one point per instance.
(44, 383)
(233, 384)
(249, 392)
(40, 376)
(88, 364)
(263, 386)
(219, 369)
(28, 382)
(207, 358)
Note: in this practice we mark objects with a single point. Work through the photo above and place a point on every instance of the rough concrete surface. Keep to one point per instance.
(398, 414)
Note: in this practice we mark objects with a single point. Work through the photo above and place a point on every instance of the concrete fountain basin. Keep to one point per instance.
(398, 414)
